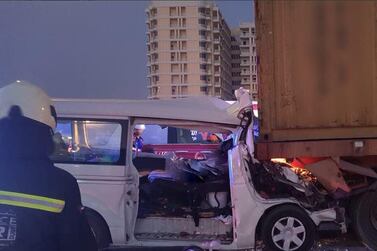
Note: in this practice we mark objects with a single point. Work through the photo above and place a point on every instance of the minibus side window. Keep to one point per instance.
(87, 141)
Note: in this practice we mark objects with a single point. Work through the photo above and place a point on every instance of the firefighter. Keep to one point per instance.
(40, 205)
(138, 140)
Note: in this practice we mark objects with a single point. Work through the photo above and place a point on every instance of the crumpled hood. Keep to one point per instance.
(24, 139)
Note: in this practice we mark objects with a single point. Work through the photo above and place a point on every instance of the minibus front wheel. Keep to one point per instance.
(288, 228)
(99, 228)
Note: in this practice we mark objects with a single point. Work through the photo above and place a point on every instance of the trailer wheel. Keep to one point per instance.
(288, 228)
(364, 217)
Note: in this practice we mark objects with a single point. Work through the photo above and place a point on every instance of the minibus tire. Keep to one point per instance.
(364, 218)
(99, 229)
(192, 248)
(275, 223)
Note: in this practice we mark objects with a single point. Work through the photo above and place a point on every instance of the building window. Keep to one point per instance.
(172, 34)
(217, 91)
(203, 89)
(154, 57)
(184, 90)
(173, 45)
(184, 45)
(153, 12)
(175, 79)
(183, 10)
(254, 77)
(173, 90)
(203, 55)
(173, 11)
(174, 22)
(203, 44)
(203, 77)
(174, 68)
(183, 56)
(182, 34)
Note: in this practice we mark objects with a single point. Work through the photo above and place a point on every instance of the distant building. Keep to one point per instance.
(244, 58)
(189, 50)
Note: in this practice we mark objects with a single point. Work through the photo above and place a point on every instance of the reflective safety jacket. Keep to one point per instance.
(40, 204)
(42, 210)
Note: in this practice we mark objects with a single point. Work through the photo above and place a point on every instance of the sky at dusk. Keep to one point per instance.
(88, 49)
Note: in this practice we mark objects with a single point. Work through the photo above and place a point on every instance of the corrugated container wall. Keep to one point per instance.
(317, 69)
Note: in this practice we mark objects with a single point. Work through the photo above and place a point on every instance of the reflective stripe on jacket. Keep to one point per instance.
(31, 201)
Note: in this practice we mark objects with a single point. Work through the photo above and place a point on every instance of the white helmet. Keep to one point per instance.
(140, 127)
(33, 102)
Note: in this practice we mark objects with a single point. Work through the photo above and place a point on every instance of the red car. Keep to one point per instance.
(185, 143)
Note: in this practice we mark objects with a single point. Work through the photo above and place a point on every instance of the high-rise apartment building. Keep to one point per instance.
(244, 58)
(189, 50)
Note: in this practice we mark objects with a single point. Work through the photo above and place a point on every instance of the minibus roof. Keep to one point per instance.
(200, 109)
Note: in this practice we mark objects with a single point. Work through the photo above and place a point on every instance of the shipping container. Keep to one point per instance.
(317, 65)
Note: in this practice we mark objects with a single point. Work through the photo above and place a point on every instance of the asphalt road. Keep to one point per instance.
(327, 243)
(324, 245)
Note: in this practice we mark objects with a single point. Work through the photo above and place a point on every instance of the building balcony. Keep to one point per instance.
(245, 54)
(216, 40)
(205, 72)
(204, 15)
(244, 35)
(205, 60)
(153, 61)
(244, 64)
(206, 49)
(152, 74)
(205, 38)
(153, 39)
(153, 50)
(204, 27)
(152, 28)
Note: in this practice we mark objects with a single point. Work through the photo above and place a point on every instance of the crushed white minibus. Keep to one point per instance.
(218, 198)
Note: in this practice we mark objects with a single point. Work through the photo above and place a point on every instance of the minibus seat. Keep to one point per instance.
(147, 162)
